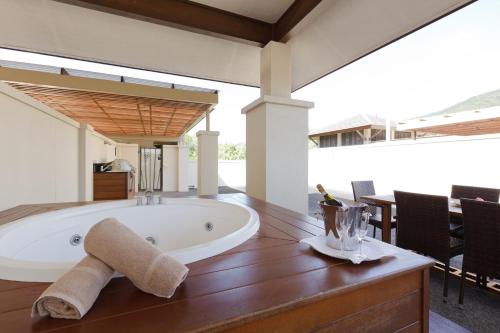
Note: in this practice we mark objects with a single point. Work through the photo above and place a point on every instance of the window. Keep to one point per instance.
(326, 141)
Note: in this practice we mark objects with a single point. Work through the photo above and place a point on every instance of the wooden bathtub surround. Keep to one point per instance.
(269, 283)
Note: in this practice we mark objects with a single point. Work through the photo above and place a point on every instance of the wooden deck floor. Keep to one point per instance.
(269, 283)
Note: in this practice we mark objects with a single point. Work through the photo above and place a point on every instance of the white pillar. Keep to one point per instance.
(175, 167)
(276, 135)
(388, 130)
(208, 160)
(367, 135)
(182, 168)
(207, 121)
(85, 164)
(170, 167)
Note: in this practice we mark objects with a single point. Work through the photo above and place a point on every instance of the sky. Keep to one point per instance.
(442, 64)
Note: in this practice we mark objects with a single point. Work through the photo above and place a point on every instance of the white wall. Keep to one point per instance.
(425, 165)
(93, 148)
(231, 173)
(39, 151)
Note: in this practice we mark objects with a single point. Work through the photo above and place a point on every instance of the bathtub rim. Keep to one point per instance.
(40, 271)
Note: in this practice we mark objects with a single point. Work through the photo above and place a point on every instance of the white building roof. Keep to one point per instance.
(352, 123)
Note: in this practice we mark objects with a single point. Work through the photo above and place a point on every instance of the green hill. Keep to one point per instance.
(482, 101)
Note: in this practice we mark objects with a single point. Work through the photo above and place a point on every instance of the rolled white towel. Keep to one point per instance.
(74, 293)
(145, 265)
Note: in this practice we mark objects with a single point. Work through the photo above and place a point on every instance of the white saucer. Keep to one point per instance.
(372, 248)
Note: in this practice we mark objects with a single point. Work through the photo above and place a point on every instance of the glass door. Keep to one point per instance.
(150, 165)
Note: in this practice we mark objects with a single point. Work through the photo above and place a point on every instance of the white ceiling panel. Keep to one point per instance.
(61, 29)
(334, 34)
(265, 10)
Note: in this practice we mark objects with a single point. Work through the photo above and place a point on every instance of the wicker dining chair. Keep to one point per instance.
(366, 187)
(473, 192)
(481, 242)
(469, 192)
(423, 227)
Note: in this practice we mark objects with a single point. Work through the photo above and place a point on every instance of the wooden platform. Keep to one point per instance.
(269, 283)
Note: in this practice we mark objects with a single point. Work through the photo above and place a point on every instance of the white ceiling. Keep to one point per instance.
(334, 34)
(265, 10)
(61, 29)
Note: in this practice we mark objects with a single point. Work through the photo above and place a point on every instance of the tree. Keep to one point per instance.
(227, 151)
(231, 151)
(192, 145)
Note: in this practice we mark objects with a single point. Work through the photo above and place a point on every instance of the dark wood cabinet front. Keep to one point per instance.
(111, 185)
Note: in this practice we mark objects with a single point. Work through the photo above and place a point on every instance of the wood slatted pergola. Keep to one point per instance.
(116, 108)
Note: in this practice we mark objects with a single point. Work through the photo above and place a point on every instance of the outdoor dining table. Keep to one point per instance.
(385, 202)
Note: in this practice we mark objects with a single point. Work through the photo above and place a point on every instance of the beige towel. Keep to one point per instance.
(74, 293)
(145, 265)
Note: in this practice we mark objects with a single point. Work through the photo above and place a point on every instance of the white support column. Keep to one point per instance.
(170, 168)
(175, 167)
(276, 135)
(182, 168)
(367, 135)
(208, 162)
(85, 164)
(388, 130)
(207, 121)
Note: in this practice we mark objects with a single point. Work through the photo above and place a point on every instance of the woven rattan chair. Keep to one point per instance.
(366, 187)
(423, 227)
(481, 241)
(472, 192)
(469, 192)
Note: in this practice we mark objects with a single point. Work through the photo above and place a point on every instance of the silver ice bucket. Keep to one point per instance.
(332, 214)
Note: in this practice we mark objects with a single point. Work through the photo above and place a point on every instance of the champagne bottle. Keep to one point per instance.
(329, 199)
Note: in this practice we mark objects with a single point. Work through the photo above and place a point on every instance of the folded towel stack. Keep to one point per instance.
(110, 246)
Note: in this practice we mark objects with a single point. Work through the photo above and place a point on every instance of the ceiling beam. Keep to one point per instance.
(193, 16)
(293, 15)
(139, 139)
(186, 15)
(104, 86)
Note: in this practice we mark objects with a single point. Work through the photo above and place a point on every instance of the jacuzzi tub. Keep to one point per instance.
(41, 248)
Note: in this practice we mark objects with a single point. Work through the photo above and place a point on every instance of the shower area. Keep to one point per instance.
(150, 166)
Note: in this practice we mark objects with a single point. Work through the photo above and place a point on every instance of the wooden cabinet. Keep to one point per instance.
(111, 186)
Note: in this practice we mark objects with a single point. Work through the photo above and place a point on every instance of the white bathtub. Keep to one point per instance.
(39, 249)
